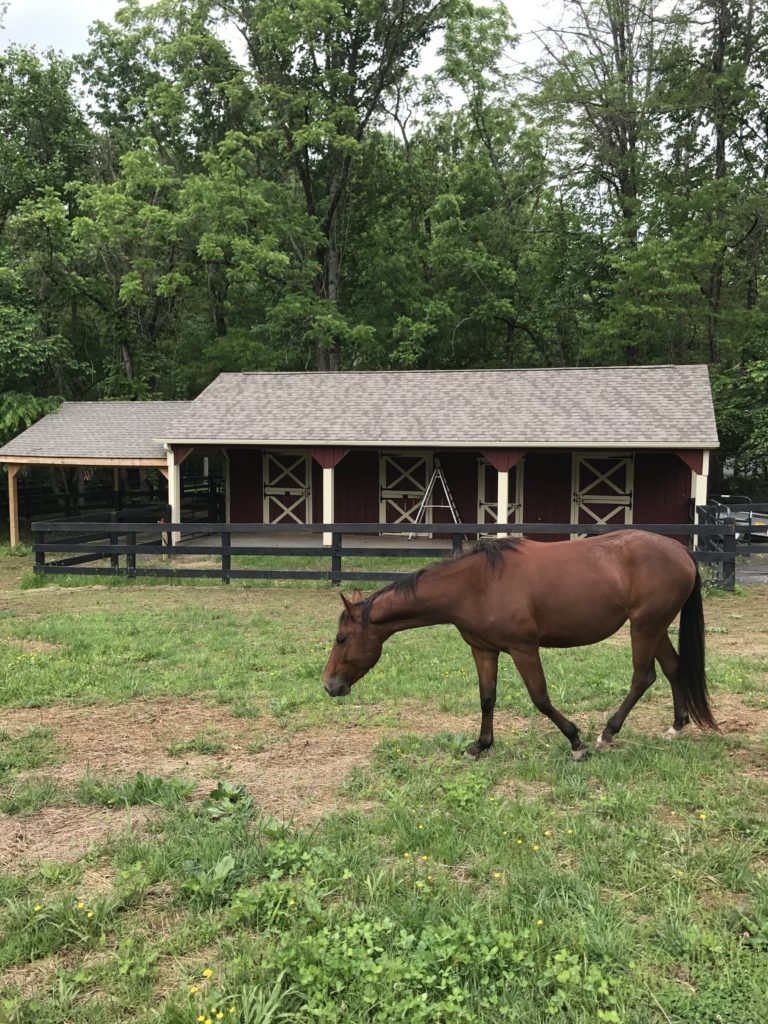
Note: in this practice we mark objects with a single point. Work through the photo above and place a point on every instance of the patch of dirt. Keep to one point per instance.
(296, 778)
(62, 833)
(31, 646)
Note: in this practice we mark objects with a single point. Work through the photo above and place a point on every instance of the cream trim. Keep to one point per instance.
(66, 460)
(437, 443)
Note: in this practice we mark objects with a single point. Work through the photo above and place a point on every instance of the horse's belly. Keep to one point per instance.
(576, 627)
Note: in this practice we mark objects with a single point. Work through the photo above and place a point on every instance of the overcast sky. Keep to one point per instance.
(63, 24)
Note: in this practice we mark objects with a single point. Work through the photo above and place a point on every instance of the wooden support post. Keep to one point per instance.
(328, 504)
(13, 505)
(174, 494)
(502, 504)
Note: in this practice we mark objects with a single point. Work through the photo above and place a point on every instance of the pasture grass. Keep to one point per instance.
(630, 888)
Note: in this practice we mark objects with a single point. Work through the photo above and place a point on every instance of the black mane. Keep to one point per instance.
(406, 585)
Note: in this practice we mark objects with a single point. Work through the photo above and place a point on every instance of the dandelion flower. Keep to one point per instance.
(424, 857)
(536, 846)
(291, 903)
(81, 905)
(89, 914)
(193, 989)
(200, 1019)
(421, 826)
(539, 921)
(406, 855)
(497, 874)
(547, 833)
(569, 831)
(429, 878)
(37, 907)
(519, 842)
(703, 817)
(207, 973)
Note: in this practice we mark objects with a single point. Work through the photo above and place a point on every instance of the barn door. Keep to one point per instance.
(287, 487)
(602, 489)
(487, 493)
(404, 477)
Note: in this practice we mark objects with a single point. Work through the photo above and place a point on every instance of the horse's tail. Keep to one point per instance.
(691, 673)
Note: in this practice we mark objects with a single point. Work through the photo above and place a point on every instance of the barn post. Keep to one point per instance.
(698, 463)
(502, 503)
(502, 460)
(328, 459)
(175, 457)
(13, 504)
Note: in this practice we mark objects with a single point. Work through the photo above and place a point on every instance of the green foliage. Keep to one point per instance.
(141, 789)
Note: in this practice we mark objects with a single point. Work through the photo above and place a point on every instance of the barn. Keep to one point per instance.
(612, 445)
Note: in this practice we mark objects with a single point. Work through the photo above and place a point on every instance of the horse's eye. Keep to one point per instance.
(341, 640)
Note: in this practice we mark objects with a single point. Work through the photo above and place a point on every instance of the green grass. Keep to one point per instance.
(630, 888)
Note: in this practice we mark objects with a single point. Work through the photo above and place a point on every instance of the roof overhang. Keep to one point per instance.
(443, 443)
(76, 460)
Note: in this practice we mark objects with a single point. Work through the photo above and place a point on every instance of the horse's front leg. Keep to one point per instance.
(487, 664)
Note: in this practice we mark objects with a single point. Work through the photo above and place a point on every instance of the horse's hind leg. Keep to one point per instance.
(528, 664)
(669, 661)
(644, 645)
(487, 664)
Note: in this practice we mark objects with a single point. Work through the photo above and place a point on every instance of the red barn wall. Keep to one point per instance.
(246, 492)
(356, 490)
(547, 490)
(460, 471)
(662, 489)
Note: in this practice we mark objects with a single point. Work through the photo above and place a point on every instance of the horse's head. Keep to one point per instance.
(356, 649)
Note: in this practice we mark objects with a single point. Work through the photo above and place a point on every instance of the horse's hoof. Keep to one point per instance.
(581, 754)
(603, 745)
(672, 733)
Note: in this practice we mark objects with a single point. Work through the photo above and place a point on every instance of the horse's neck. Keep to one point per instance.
(429, 605)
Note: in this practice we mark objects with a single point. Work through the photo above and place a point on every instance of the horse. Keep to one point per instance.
(519, 595)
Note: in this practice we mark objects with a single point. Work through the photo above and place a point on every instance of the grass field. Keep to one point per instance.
(191, 831)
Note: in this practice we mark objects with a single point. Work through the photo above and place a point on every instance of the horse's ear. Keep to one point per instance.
(354, 598)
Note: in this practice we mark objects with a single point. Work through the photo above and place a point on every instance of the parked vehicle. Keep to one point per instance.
(751, 521)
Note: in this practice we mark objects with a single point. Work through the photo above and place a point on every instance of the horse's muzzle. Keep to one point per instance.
(336, 687)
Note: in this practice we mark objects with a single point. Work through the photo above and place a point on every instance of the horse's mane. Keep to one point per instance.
(406, 585)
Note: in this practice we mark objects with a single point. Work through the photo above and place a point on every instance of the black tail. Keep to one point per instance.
(691, 673)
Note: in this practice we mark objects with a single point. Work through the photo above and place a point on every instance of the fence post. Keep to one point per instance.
(226, 556)
(456, 543)
(38, 537)
(336, 542)
(114, 539)
(729, 554)
(130, 558)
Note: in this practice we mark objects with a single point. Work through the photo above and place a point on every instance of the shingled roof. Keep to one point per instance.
(96, 430)
(610, 407)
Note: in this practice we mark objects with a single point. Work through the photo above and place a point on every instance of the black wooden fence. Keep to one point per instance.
(76, 544)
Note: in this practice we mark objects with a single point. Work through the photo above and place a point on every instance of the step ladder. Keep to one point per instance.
(427, 501)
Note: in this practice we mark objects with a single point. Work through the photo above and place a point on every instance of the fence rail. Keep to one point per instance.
(80, 543)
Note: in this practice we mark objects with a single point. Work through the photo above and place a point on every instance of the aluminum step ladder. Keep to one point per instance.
(427, 502)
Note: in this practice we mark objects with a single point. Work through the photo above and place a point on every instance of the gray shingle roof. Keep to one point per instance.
(652, 406)
(97, 430)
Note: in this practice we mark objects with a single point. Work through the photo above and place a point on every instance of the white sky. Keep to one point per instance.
(63, 24)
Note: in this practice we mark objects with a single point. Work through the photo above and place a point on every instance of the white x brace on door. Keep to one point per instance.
(287, 487)
(403, 478)
(602, 488)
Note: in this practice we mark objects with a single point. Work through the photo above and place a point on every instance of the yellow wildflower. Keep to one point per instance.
(89, 914)
(425, 857)
(193, 989)
(37, 907)
(536, 846)
(81, 905)
(703, 817)
(207, 973)
(539, 921)
(497, 874)
(291, 903)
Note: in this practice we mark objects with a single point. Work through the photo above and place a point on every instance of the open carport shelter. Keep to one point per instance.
(113, 435)
(613, 445)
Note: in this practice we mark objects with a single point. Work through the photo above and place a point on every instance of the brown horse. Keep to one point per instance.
(520, 595)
